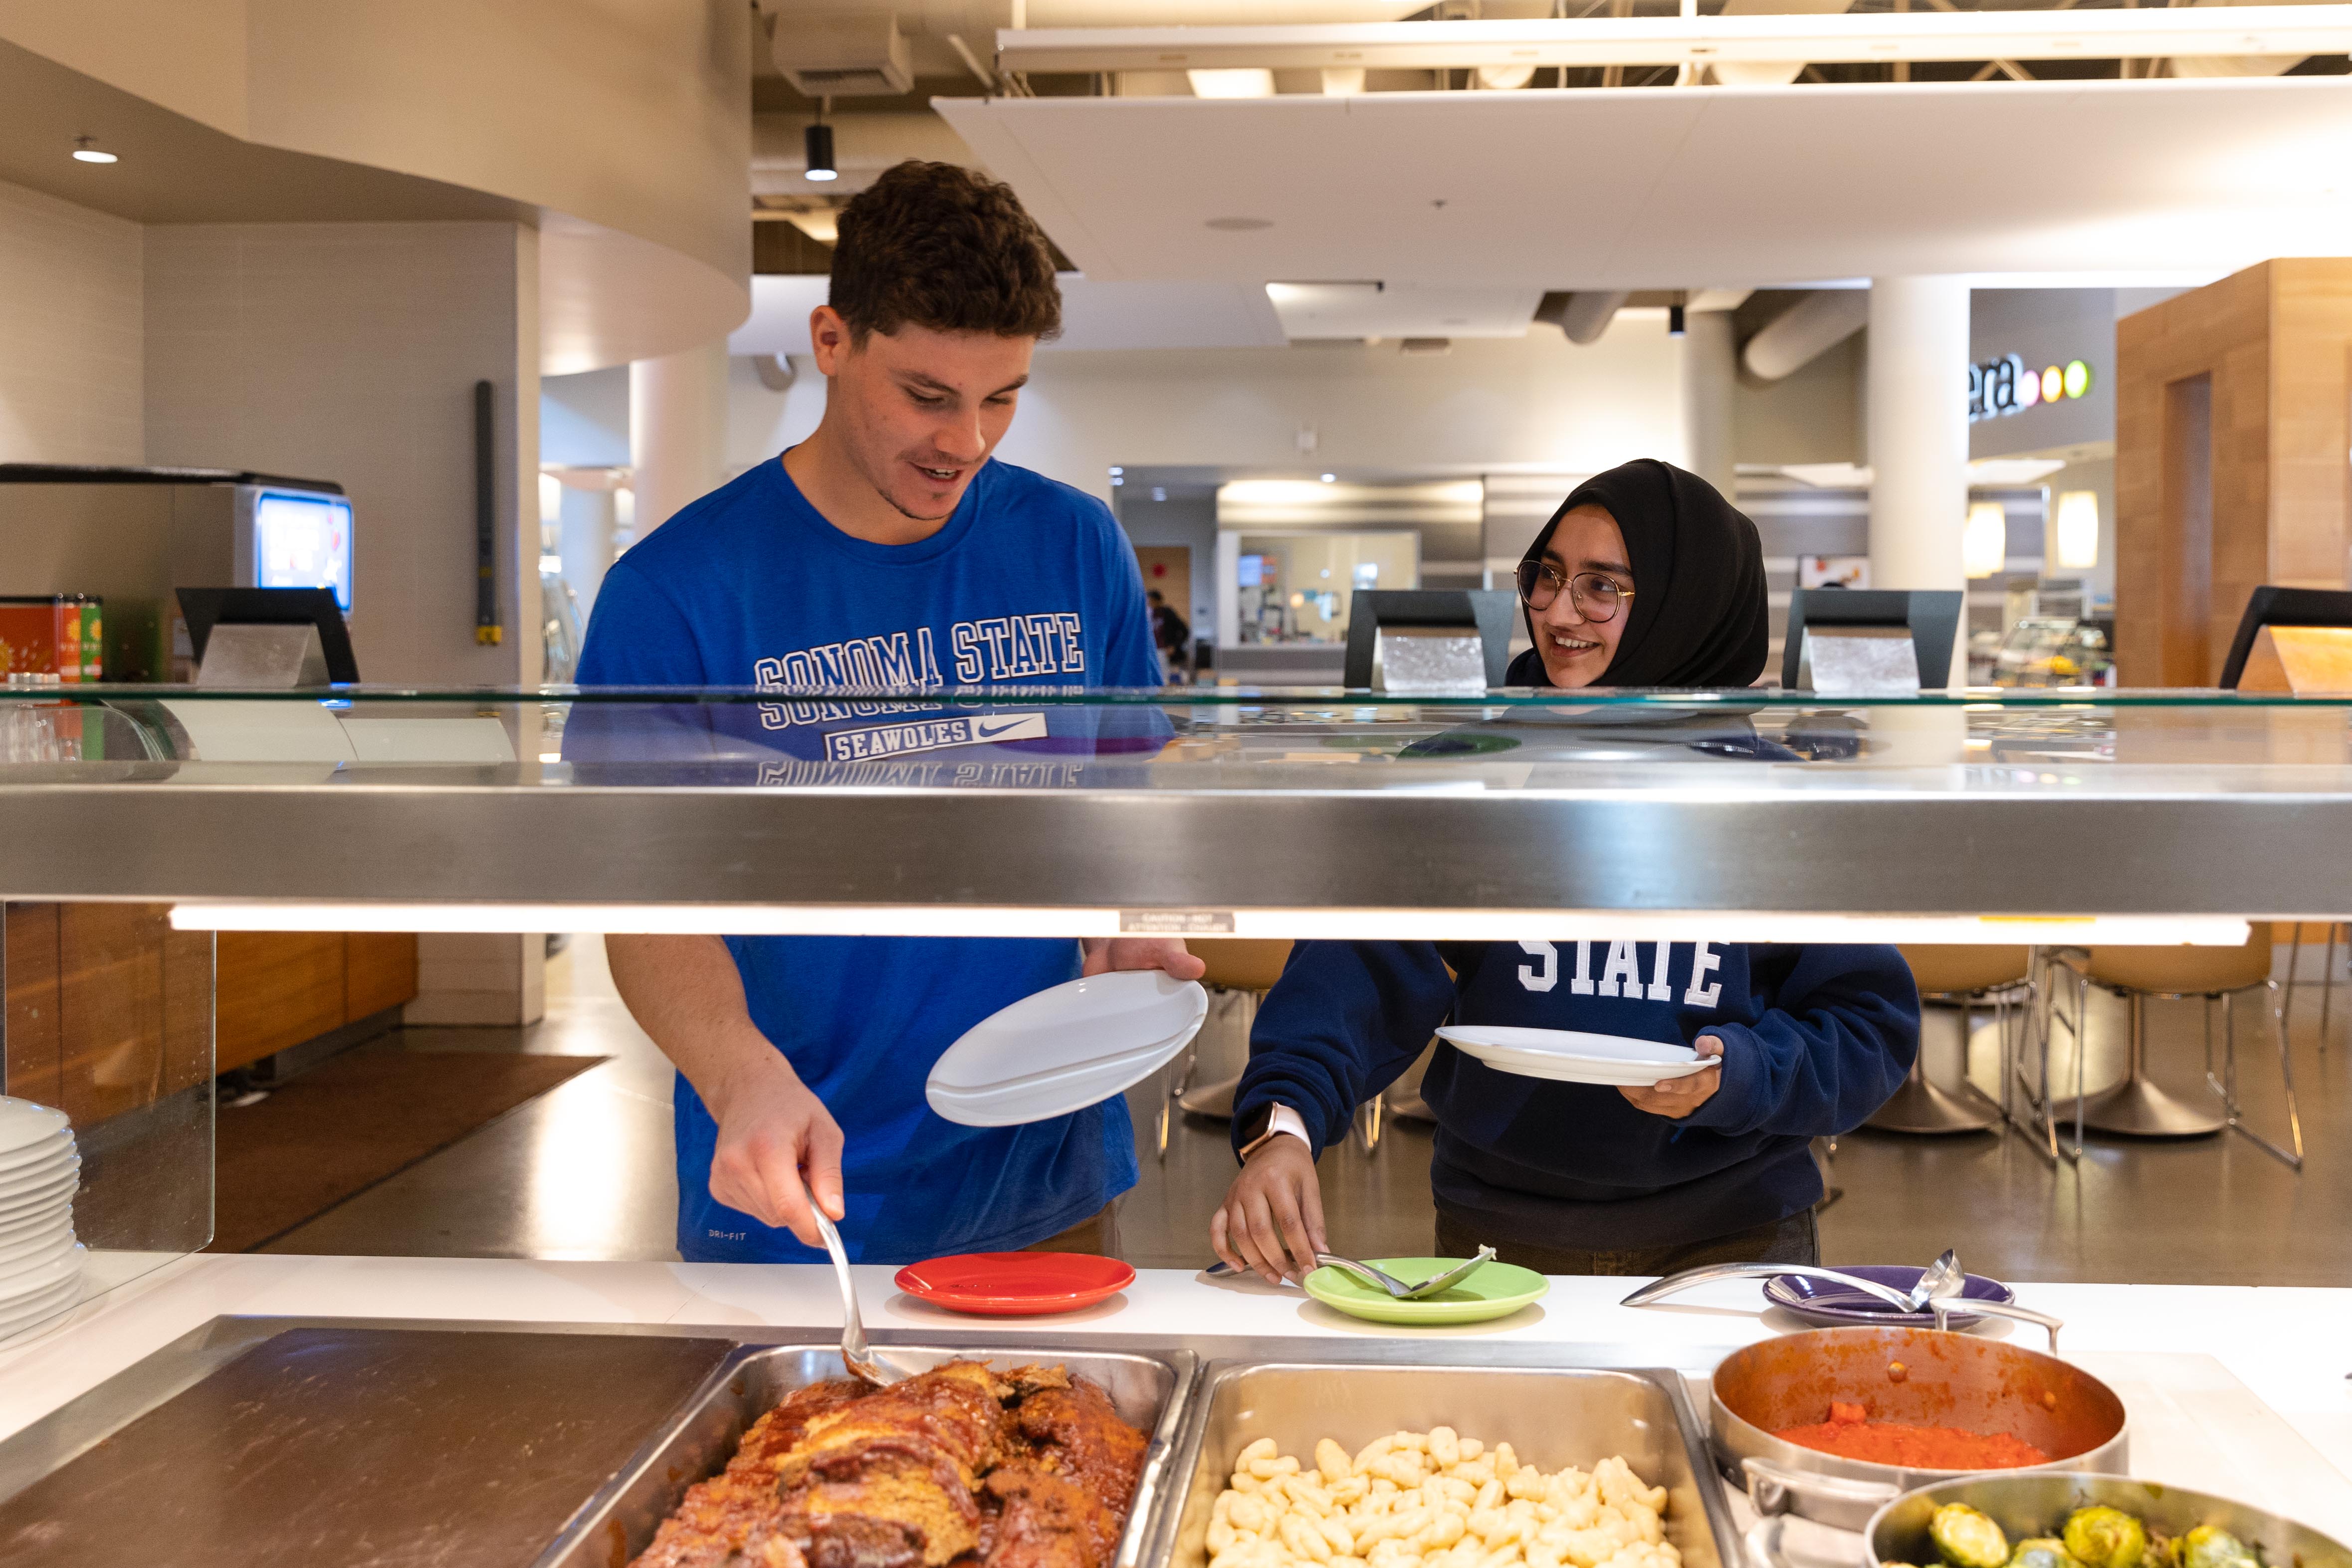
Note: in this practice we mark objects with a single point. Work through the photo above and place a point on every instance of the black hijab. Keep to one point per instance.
(1698, 617)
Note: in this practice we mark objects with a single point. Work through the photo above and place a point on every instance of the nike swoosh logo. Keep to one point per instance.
(988, 731)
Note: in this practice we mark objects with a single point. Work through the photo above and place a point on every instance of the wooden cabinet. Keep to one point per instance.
(108, 1009)
(379, 971)
(276, 989)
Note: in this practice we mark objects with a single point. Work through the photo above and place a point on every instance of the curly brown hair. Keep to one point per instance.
(942, 246)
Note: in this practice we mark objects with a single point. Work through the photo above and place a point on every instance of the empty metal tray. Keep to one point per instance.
(1151, 1392)
(1551, 1416)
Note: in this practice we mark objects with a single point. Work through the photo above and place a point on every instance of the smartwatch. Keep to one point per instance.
(1274, 1121)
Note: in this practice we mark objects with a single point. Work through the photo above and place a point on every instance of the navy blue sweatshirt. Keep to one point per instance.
(1815, 1038)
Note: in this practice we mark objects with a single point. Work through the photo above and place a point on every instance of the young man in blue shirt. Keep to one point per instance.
(888, 550)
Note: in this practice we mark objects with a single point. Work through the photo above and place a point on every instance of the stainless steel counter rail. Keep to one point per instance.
(2091, 850)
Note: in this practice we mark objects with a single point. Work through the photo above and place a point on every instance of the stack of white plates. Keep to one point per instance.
(1065, 1048)
(40, 1262)
(1570, 1055)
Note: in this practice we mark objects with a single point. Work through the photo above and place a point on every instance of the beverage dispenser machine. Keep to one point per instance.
(118, 542)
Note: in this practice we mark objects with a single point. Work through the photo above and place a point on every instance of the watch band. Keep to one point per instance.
(1274, 1121)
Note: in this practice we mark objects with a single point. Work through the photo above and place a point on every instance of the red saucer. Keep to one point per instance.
(1016, 1284)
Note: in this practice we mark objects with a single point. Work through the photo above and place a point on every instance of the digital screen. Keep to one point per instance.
(1254, 573)
(303, 542)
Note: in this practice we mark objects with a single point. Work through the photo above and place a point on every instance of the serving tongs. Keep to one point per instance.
(1944, 1307)
(855, 1353)
(1397, 1290)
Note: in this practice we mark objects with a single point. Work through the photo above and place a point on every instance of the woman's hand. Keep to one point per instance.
(1105, 954)
(1676, 1098)
(1272, 1220)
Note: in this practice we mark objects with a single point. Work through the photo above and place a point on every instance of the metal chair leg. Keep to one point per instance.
(1166, 1110)
(2232, 1113)
(2327, 984)
(1372, 1110)
(2294, 965)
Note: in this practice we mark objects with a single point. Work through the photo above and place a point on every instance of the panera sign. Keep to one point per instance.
(2005, 385)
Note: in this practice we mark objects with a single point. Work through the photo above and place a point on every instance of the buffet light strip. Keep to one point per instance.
(1391, 924)
(2290, 29)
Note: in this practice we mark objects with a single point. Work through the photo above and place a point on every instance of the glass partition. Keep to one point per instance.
(109, 1021)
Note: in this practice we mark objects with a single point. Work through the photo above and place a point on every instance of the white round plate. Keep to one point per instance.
(56, 1146)
(52, 1305)
(25, 1259)
(36, 1227)
(22, 1121)
(33, 1179)
(57, 1196)
(34, 1283)
(1568, 1056)
(1065, 1048)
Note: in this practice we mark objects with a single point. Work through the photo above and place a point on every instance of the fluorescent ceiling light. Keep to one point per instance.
(1246, 82)
(1993, 473)
(1357, 925)
(1701, 40)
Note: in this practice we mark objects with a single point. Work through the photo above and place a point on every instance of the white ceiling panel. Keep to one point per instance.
(1399, 310)
(1095, 315)
(1667, 187)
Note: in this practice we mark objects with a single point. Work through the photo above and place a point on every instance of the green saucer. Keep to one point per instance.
(1495, 1290)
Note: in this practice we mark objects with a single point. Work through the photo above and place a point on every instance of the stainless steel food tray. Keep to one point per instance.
(1151, 1392)
(1552, 1416)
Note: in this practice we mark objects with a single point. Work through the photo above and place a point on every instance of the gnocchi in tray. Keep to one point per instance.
(1433, 1500)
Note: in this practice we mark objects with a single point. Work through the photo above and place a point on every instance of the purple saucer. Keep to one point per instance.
(1826, 1304)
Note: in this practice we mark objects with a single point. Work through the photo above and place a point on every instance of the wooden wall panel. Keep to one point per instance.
(275, 989)
(110, 1007)
(2276, 341)
(35, 1067)
(379, 971)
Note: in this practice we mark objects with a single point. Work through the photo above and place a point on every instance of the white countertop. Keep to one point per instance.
(2230, 1389)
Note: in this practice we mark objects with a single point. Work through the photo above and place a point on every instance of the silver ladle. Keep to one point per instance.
(855, 1354)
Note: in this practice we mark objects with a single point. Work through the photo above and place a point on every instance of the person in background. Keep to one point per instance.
(890, 550)
(1173, 635)
(1645, 576)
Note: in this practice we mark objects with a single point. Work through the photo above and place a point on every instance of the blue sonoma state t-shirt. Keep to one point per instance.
(1030, 583)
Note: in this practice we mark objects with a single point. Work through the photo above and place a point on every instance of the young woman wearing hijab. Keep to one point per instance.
(1645, 576)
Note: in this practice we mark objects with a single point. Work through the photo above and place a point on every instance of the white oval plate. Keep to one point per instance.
(23, 1228)
(1065, 1048)
(24, 1121)
(1570, 1055)
(18, 1317)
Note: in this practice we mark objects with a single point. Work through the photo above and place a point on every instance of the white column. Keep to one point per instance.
(677, 430)
(1710, 373)
(1919, 423)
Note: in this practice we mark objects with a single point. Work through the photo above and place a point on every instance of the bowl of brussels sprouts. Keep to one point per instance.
(2042, 1518)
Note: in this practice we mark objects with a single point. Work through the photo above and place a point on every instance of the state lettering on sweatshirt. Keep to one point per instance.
(1621, 973)
(985, 652)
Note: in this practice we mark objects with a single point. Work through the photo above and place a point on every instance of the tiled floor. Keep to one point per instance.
(584, 1171)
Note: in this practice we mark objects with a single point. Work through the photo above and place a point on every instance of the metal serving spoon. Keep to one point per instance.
(855, 1354)
(1939, 1280)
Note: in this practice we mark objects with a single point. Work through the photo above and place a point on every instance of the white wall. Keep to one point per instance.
(1533, 400)
(70, 334)
(349, 351)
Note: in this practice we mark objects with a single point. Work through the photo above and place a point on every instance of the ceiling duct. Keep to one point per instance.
(1583, 316)
(1806, 331)
(843, 55)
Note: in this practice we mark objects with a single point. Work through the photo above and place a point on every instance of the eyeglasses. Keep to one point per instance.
(1594, 596)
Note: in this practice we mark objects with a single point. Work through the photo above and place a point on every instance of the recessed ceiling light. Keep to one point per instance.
(1330, 478)
(1239, 225)
(87, 151)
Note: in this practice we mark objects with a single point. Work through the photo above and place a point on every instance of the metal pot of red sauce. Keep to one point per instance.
(1915, 1377)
